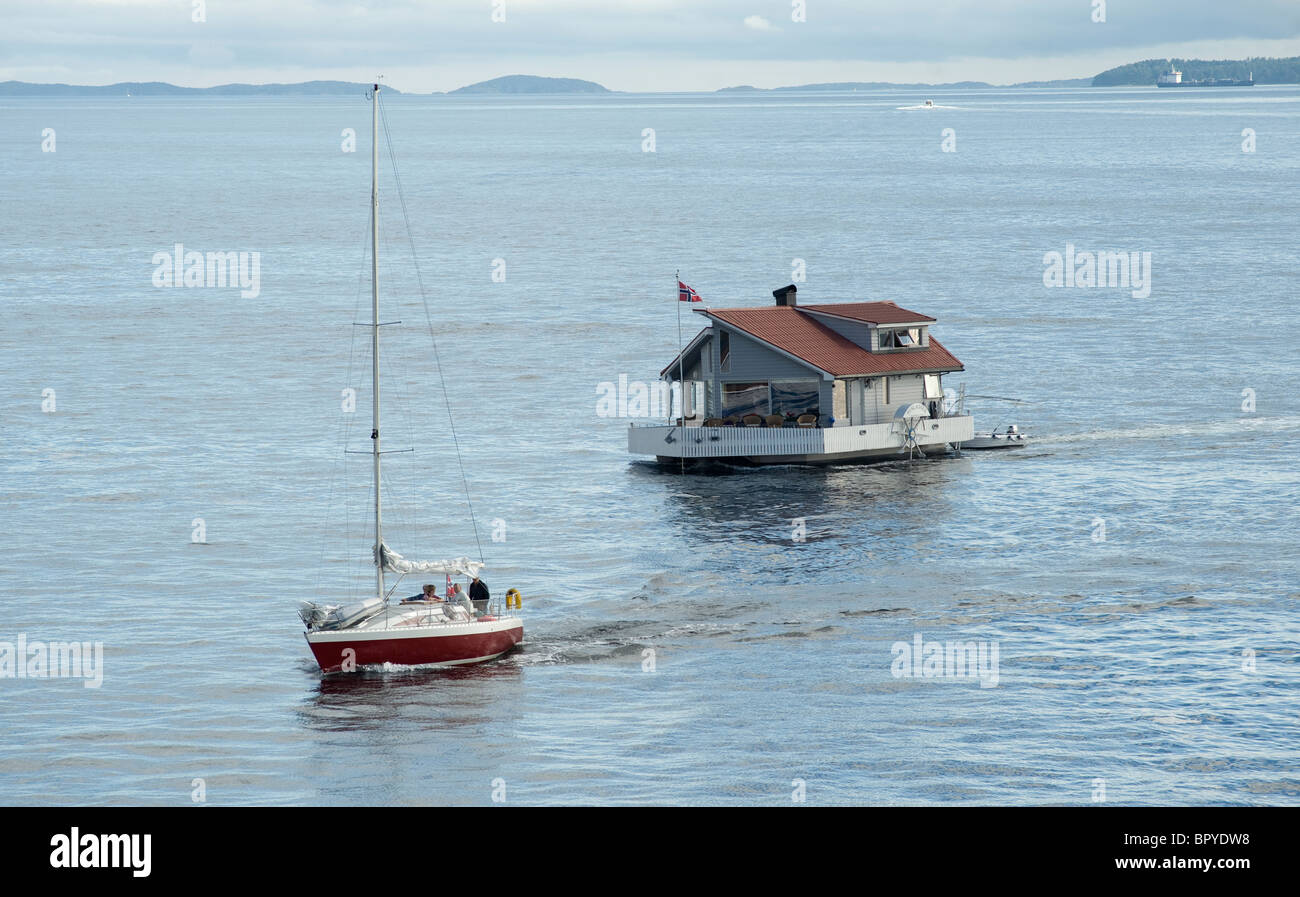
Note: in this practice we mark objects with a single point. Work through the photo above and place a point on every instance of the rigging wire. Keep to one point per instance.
(428, 316)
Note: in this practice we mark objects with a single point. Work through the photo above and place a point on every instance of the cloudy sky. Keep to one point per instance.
(635, 45)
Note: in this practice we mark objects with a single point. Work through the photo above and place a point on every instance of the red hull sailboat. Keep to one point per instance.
(377, 632)
(410, 641)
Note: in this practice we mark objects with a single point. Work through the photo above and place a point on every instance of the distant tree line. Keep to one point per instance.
(1268, 70)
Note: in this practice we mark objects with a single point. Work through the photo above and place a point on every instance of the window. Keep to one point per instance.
(724, 348)
(884, 395)
(739, 399)
(932, 387)
(906, 338)
(795, 397)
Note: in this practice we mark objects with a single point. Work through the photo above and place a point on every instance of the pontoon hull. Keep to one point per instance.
(442, 645)
(786, 445)
(865, 456)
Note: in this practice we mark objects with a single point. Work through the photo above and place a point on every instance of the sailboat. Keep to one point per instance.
(376, 631)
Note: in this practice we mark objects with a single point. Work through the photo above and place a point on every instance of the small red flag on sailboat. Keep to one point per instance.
(687, 294)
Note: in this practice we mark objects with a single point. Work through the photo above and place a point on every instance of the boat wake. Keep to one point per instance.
(1262, 425)
(618, 641)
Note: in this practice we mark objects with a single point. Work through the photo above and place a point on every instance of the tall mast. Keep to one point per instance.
(374, 331)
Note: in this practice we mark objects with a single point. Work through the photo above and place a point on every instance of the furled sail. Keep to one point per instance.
(395, 563)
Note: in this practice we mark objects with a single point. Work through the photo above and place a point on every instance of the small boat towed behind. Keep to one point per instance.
(1012, 438)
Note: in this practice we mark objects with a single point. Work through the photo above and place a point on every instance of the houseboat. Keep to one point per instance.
(807, 384)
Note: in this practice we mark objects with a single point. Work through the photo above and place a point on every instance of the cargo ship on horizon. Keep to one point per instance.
(1174, 78)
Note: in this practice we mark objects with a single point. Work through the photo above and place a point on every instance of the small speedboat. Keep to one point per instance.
(927, 105)
(1011, 438)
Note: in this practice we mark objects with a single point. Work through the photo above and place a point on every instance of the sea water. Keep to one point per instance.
(176, 477)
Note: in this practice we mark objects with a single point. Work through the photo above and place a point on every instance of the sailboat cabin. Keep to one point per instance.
(844, 367)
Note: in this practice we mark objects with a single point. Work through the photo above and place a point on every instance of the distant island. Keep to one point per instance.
(507, 85)
(532, 84)
(1267, 70)
(162, 89)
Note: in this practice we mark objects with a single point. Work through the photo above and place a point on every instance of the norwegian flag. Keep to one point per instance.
(687, 294)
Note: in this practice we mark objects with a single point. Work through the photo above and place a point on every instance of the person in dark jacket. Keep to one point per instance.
(478, 593)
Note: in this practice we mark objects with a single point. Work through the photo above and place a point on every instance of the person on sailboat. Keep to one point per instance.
(459, 597)
(430, 593)
(479, 594)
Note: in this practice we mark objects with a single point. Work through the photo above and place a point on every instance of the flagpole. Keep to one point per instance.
(681, 365)
(681, 362)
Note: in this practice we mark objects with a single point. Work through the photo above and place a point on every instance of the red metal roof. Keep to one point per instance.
(807, 339)
(871, 312)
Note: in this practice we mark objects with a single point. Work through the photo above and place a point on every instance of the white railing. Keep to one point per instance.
(496, 609)
(722, 442)
(729, 442)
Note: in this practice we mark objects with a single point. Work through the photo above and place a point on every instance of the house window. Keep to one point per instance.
(884, 385)
(795, 397)
(724, 348)
(906, 338)
(739, 399)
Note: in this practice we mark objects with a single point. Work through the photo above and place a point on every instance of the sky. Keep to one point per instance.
(632, 45)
